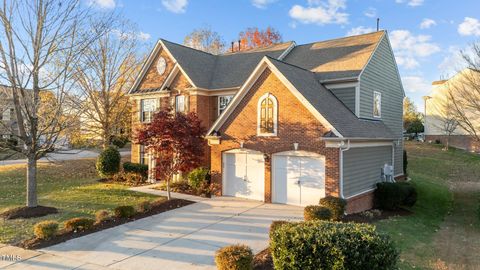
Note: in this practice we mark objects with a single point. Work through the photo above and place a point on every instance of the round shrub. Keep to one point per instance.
(45, 229)
(197, 177)
(331, 245)
(78, 224)
(275, 225)
(235, 257)
(124, 211)
(102, 216)
(410, 194)
(336, 206)
(144, 206)
(317, 212)
(391, 196)
(141, 169)
(108, 162)
(119, 141)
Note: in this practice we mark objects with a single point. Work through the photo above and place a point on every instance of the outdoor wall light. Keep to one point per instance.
(266, 157)
(295, 146)
(241, 145)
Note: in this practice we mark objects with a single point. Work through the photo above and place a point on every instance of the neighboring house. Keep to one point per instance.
(437, 114)
(8, 124)
(287, 123)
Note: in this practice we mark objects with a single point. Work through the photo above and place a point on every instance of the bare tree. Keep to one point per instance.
(40, 45)
(205, 39)
(446, 118)
(106, 73)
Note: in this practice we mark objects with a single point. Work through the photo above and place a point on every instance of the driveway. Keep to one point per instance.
(184, 238)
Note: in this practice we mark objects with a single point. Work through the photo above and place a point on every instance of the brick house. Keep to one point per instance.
(287, 123)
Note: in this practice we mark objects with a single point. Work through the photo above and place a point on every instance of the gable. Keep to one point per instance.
(151, 79)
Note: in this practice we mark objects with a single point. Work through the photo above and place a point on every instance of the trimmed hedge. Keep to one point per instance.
(144, 206)
(391, 196)
(78, 224)
(45, 229)
(102, 215)
(336, 206)
(124, 211)
(130, 167)
(317, 212)
(405, 162)
(108, 162)
(198, 177)
(235, 257)
(331, 245)
(275, 225)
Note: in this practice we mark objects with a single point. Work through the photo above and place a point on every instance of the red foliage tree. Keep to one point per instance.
(254, 38)
(177, 141)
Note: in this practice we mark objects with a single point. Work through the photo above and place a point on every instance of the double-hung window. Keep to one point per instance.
(180, 104)
(147, 109)
(223, 102)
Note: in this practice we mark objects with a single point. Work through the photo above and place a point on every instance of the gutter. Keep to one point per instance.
(342, 149)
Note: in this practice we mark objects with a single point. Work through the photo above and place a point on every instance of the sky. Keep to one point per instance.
(426, 35)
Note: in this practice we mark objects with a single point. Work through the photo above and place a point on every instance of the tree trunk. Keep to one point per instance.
(32, 182)
(446, 146)
(168, 190)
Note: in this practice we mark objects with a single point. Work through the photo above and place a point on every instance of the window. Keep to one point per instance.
(377, 104)
(143, 156)
(180, 104)
(148, 107)
(223, 101)
(267, 115)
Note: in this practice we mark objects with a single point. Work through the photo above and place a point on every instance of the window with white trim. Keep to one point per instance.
(147, 109)
(267, 115)
(377, 104)
(144, 158)
(180, 104)
(223, 102)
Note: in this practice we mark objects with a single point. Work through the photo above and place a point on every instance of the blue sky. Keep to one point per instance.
(426, 35)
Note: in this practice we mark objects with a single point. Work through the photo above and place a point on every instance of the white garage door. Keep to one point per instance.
(244, 174)
(298, 178)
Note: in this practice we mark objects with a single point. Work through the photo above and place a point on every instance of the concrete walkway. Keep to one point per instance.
(184, 238)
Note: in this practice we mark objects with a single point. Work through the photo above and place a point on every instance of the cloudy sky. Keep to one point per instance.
(426, 35)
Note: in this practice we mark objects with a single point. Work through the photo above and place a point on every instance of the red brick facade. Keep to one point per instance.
(360, 203)
(295, 125)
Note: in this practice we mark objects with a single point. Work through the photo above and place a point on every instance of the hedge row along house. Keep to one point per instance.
(286, 123)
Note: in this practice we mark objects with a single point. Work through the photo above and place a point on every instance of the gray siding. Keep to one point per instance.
(381, 75)
(362, 168)
(347, 96)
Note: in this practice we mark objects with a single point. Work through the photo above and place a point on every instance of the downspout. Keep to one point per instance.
(394, 143)
(342, 149)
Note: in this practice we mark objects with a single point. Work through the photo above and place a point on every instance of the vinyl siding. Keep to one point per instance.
(362, 168)
(347, 96)
(381, 75)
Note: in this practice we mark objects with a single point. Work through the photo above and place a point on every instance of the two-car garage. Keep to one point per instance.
(297, 177)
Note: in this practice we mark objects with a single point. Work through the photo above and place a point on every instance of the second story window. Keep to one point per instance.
(377, 104)
(180, 104)
(267, 115)
(223, 102)
(147, 109)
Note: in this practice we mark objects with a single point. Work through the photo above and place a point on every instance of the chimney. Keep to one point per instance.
(239, 45)
(378, 24)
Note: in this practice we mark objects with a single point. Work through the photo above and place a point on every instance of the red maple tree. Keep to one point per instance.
(177, 141)
(253, 37)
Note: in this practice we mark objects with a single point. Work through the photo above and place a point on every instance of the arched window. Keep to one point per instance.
(267, 115)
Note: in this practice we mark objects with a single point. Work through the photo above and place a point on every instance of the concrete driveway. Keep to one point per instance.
(184, 238)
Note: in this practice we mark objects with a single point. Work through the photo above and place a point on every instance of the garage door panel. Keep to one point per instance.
(244, 175)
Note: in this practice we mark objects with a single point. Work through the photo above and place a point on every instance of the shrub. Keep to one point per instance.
(108, 163)
(336, 206)
(141, 169)
(119, 142)
(102, 216)
(124, 211)
(405, 161)
(45, 229)
(78, 224)
(235, 257)
(410, 194)
(144, 206)
(198, 177)
(317, 212)
(437, 141)
(275, 225)
(391, 196)
(331, 245)
(129, 178)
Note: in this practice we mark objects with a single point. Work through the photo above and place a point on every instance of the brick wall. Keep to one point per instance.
(295, 125)
(360, 203)
(152, 79)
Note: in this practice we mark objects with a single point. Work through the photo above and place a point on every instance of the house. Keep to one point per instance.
(438, 118)
(286, 123)
(8, 124)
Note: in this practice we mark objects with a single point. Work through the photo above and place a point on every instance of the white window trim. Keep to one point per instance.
(379, 105)
(275, 115)
(184, 104)
(218, 103)
(142, 120)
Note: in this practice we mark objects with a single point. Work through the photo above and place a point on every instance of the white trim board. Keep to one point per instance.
(336, 144)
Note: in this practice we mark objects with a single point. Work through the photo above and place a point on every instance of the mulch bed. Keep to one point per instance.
(64, 235)
(384, 214)
(263, 260)
(130, 184)
(183, 188)
(28, 212)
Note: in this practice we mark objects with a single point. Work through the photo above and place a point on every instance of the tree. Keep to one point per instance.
(412, 120)
(464, 93)
(253, 37)
(40, 45)
(107, 70)
(205, 39)
(177, 141)
(446, 117)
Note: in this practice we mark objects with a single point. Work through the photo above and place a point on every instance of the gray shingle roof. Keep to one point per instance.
(329, 106)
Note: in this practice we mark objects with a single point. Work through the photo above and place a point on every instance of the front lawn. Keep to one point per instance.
(70, 186)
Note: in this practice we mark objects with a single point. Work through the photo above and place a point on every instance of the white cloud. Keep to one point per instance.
(175, 6)
(454, 62)
(320, 12)
(370, 12)
(104, 4)
(469, 27)
(412, 3)
(415, 84)
(262, 3)
(409, 48)
(360, 30)
(143, 36)
(427, 23)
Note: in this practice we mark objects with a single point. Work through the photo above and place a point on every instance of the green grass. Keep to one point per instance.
(431, 171)
(69, 186)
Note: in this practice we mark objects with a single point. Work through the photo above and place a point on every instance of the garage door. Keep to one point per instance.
(298, 178)
(244, 174)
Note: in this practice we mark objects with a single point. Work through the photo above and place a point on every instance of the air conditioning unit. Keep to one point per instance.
(387, 172)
